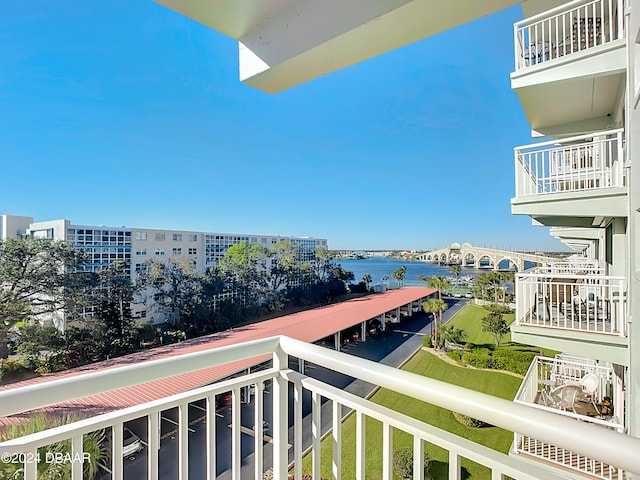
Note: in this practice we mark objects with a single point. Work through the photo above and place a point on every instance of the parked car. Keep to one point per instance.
(468, 295)
(457, 295)
(131, 443)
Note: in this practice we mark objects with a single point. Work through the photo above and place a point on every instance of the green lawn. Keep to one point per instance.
(424, 363)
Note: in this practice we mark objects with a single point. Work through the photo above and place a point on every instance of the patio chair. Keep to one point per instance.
(560, 294)
(589, 384)
(563, 397)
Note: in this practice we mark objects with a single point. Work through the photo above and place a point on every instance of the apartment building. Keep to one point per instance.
(104, 245)
(575, 75)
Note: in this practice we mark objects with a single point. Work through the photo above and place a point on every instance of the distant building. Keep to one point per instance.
(104, 245)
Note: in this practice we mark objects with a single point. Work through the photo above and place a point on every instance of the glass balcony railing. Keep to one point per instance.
(275, 423)
(568, 29)
(575, 164)
(584, 301)
(578, 388)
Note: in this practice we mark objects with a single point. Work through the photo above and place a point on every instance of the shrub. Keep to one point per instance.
(9, 368)
(470, 421)
(403, 463)
(427, 342)
(455, 355)
(495, 308)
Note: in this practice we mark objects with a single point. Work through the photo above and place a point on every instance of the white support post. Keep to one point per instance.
(153, 436)
(116, 451)
(316, 410)
(301, 365)
(387, 451)
(258, 449)
(455, 467)
(363, 329)
(31, 468)
(297, 431)
(418, 458)
(336, 465)
(280, 425)
(236, 454)
(360, 445)
(183, 441)
(76, 455)
(211, 437)
(336, 341)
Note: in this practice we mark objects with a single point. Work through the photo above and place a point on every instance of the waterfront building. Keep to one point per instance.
(103, 245)
(577, 415)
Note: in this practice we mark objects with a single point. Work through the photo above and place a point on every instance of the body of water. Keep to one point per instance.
(379, 266)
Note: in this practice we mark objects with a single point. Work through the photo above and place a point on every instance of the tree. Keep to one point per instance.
(39, 279)
(399, 274)
(421, 278)
(495, 324)
(240, 267)
(322, 264)
(173, 284)
(440, 283)
(366, 278)
(451, 334)
(435, 306)
(403, 463)
(93, 444)
(455, 269)
(385, 280)
(285, 265)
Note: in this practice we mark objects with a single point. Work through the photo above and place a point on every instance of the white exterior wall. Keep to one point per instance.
(13, 226)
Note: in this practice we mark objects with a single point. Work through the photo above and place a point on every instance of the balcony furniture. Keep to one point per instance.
(586, 33)
(537, 52)
(589, 384)
(560, 292)
(563, 397)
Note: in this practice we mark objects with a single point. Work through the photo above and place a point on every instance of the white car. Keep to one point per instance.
(131, 443)
(468, 295)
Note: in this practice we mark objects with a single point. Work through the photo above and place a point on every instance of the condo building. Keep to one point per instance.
(577, 413)
(103, 245)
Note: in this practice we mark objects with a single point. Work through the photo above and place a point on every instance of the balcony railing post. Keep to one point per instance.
(153, 433)
(280, 417)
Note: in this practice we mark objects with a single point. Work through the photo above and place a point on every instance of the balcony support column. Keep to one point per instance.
(258, 453)
(280, 417)
(418, 458)
(387, 451)
(455, 467)
(360, 445)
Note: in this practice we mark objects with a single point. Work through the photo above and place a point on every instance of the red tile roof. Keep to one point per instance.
(309, 326)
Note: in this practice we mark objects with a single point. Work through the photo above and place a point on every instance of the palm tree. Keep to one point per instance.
(399, 274)
(366, 278)
(93, 444)
(440, 283)
(421, 278)
(435, 305)
(385, 280)
(455, 269)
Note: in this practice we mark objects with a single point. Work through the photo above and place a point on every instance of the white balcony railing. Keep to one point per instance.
(543, 376)
(570, 28)
(614, 448)
(582, 301)
(581, 163)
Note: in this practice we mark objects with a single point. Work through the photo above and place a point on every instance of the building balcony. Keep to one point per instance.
(577, 388)
(575, 52)
(581, 176)
(569, 29)
(270, 429)
(569, 310)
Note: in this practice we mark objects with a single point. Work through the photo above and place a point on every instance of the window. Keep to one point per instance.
(142, 252)
(177, 237)
(159, 251)
(177, 251)
(193, 251)
(193, 238)
(140, 235)
(160, 236)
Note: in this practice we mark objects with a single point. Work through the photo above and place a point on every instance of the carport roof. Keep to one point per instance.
(309, 325)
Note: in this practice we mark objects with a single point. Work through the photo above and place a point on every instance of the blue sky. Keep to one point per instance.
(126, 113)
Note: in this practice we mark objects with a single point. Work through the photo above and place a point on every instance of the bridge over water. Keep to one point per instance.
(480, 257)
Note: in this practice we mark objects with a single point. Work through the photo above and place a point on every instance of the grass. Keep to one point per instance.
(424, 363)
